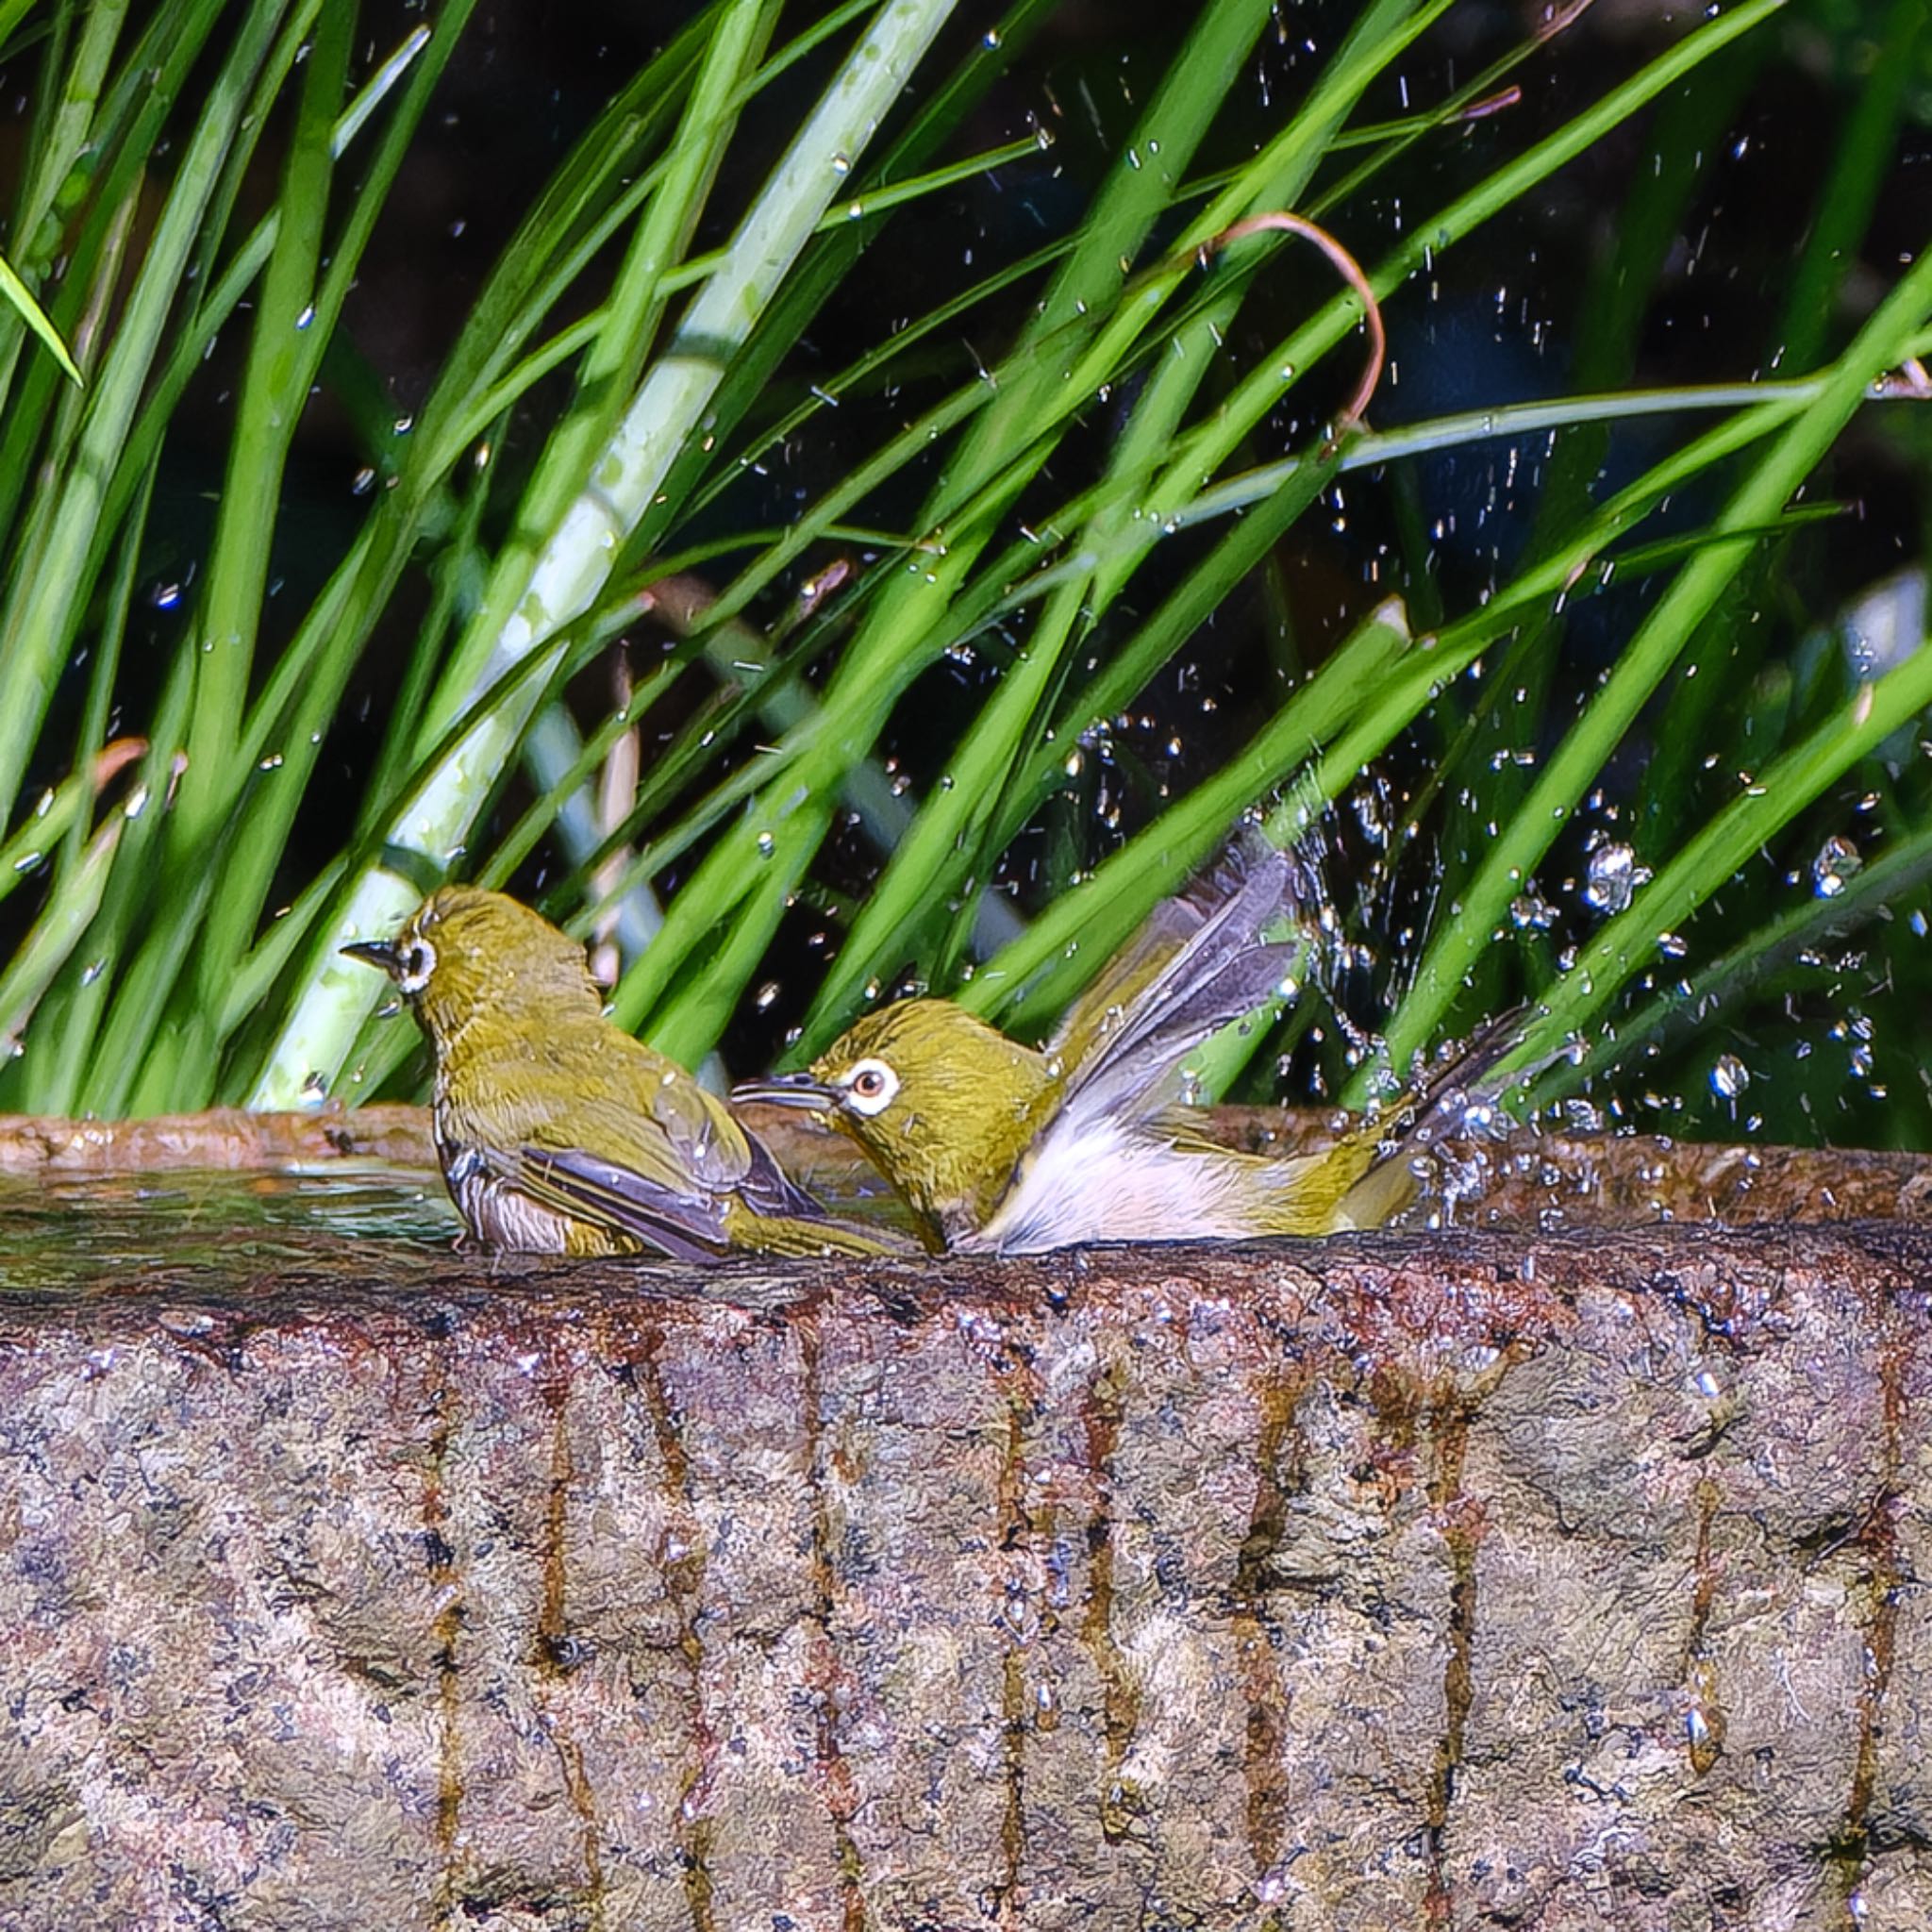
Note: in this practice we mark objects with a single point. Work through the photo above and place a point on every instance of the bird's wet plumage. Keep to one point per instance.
(558, 1132)
(997, 1148)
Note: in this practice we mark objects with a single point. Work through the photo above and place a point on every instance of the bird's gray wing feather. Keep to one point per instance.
(685, 1226)
(1219, 972)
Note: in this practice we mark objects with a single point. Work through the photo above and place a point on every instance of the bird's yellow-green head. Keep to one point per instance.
(944, 1107)
(466, 959)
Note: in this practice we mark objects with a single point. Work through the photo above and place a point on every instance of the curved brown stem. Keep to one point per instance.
(1351, 271)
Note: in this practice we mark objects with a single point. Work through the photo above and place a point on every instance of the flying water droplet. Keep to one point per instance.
(1839, 862)
(1612, 876)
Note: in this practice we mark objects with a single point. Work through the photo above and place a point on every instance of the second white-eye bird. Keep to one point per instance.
(998, 1148)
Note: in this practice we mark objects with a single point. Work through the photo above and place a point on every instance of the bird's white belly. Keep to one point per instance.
(1098, 1184)
(501, 1216)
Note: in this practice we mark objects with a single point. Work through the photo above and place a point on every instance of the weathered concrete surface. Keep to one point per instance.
(1478, 1580)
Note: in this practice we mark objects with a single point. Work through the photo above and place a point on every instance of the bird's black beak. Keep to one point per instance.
(380, 953)
(790, 1090)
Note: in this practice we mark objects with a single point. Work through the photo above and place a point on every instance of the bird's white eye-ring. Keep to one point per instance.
(415, 962)
(870, 1087)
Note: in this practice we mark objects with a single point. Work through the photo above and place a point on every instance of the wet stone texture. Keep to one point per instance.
(1461, 1580)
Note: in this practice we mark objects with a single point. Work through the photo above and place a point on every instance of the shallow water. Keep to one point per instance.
(237, 1233)
(85, 1234)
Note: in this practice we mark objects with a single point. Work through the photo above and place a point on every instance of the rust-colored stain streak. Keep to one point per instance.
(554, 1649)
(1015, 1531)
(1279, 1472)
(445, 1593)
(1462, 1517)
(1101, 1411)
(1452, 1410)
(1703, 1715)
(552, 1632)
(830, 1682)
(1708, 1497)
(683, 1580)
(570, 1756)
(1879, 1540)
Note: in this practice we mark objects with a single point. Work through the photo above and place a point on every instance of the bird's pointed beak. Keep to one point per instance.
(789, 1090)
(380, 953)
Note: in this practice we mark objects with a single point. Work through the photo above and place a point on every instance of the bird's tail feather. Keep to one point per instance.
(1441, 1107)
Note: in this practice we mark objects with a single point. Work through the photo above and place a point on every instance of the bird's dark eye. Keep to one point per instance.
(415, 962)
(870, 1087)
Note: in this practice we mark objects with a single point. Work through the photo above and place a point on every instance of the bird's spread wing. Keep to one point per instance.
(1100, 1011)
(1192, 969)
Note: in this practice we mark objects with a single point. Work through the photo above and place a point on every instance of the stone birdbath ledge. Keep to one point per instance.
(1558, 1569)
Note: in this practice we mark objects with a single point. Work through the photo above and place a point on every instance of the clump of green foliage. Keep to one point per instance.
(1078, 509)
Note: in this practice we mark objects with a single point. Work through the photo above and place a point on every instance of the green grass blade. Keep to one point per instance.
(60, 929)
(1711, 858)
(16, 293)
(42, 613)
(282, 357)
(1729, 978)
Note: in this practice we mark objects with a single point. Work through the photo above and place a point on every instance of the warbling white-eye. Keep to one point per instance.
(997, 1148)
(558, 1131)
